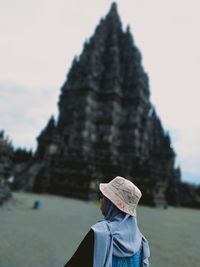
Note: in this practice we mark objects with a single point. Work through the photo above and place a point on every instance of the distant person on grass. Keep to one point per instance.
(115, 241)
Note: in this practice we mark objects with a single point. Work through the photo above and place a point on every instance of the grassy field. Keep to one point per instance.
(48, 237)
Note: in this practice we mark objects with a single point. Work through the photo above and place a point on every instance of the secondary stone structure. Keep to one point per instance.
(107, 125)
(6, 167)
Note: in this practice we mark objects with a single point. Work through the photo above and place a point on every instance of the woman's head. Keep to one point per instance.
(108, 209)
(122, 193)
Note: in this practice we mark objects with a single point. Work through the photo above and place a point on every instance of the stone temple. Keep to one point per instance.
(6, 167)
(107, 125)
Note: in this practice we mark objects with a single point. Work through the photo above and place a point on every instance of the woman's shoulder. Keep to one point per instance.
(84, 253)
(101, 226)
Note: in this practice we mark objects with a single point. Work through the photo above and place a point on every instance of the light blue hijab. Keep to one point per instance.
(117, 235)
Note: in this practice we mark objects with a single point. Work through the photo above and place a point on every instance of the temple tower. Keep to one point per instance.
(107, 125)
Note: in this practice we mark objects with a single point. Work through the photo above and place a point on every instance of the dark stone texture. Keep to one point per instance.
(6, 167)
(107, 125)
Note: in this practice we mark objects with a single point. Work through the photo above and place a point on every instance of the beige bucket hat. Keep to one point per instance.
(122, 193)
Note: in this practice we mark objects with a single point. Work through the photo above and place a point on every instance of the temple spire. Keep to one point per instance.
(113, 10)
(113, 7)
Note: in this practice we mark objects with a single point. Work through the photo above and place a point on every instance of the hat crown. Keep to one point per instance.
(126, 189)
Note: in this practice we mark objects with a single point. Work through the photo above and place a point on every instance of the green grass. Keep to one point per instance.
(49, 236)
(173, 235)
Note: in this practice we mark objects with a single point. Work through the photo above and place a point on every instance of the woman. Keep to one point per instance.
(115, 241)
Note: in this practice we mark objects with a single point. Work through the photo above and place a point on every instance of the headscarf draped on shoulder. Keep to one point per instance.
(117, 235)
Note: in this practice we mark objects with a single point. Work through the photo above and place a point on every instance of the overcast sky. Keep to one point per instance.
(39, 39)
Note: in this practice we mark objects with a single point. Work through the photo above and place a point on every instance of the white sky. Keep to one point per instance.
(39, 39)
